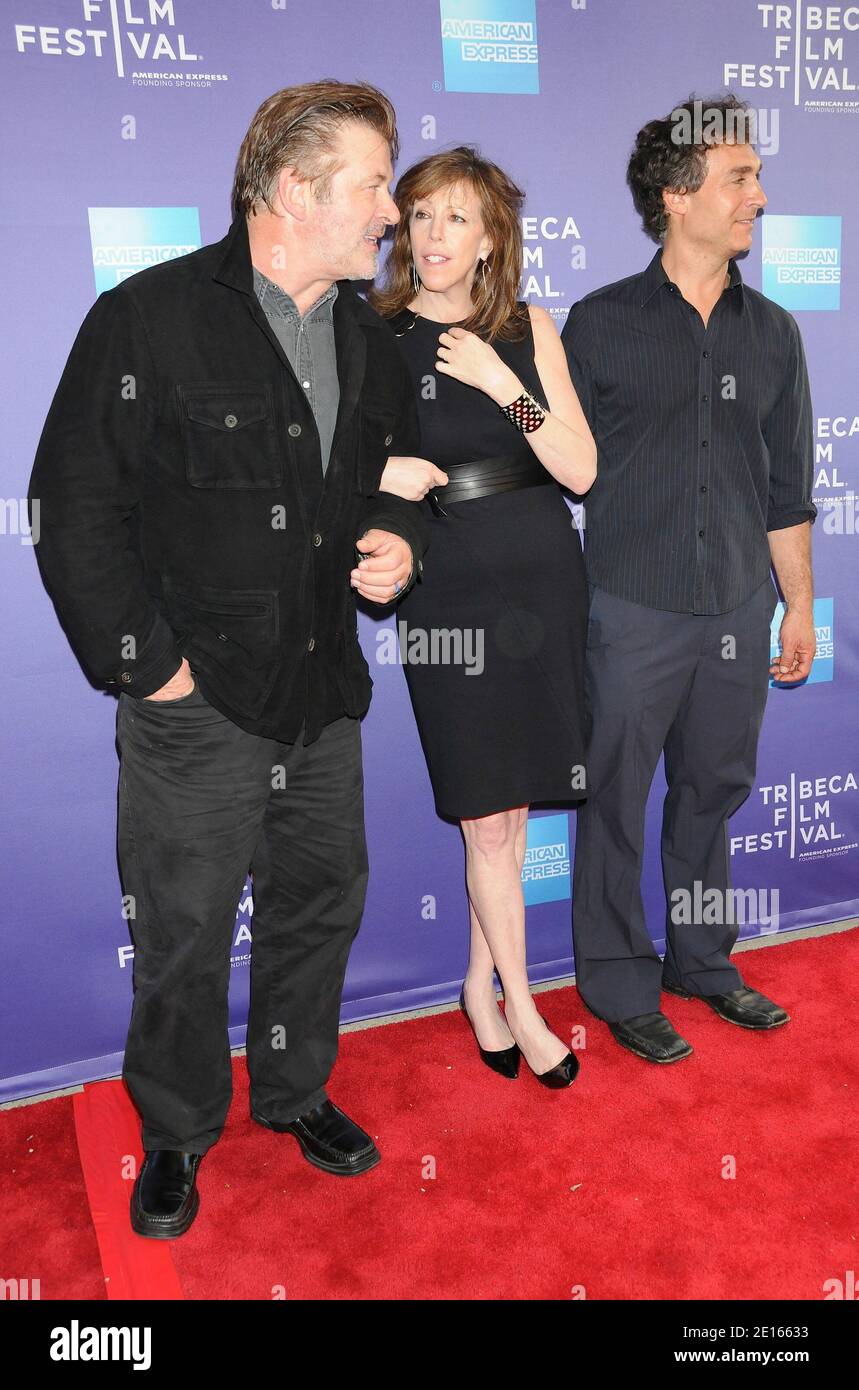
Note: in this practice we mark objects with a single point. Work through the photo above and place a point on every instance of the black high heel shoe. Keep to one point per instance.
(505, 1062)
(562, 1074)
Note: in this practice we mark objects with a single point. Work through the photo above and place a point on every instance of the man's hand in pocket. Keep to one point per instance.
(182, 683)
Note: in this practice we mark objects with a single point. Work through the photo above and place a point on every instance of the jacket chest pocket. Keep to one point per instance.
(229, 435)
(375, 444)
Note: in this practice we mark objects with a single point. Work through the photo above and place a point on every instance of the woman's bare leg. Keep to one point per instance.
(494, 854)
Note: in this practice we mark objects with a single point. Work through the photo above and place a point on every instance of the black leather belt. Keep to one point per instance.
(485, 476)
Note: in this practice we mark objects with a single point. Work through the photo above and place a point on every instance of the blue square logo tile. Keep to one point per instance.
(490, 45)
(546, 871)
(801, 261)
(125, 240)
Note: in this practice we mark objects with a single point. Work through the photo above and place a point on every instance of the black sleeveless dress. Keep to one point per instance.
(504, 725)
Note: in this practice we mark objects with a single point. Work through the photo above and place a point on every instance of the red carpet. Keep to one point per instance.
(47, 1231)
(613, 1187)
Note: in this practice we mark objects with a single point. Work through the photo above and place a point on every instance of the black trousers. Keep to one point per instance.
(695, 688)
(200, 802)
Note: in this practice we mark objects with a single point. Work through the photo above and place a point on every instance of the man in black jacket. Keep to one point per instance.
(209, 464)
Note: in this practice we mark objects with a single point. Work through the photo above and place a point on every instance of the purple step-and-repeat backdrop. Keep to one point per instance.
(122, 121)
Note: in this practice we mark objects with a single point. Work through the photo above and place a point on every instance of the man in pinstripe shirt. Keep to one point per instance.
(695, 388)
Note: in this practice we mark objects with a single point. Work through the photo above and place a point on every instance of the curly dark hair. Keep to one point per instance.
(666, 155)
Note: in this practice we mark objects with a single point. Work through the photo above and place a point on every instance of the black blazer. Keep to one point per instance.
(182, 510)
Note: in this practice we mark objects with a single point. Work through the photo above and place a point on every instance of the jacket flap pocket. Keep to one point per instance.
(229, 434)
(226, 408)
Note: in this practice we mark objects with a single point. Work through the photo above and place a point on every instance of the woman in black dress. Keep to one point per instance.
(496, 626)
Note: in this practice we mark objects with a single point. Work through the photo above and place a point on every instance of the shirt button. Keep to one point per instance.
(705, 398)
(295, 431)
(703, 487)
(306, 385)
(705, 354)
(311, 644)
(700, 533)
(317, 539)
(230, 421)
(704, 443)
(388, 439)
(125, 677)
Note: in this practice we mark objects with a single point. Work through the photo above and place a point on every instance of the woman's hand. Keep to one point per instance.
(411, 478)
(472, 361)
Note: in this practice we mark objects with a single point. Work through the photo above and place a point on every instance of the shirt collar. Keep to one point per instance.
(266, 288)
(654, 277)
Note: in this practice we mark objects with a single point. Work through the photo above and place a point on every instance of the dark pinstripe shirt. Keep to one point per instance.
(704, 439)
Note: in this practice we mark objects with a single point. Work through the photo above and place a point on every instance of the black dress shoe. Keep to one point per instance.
(165, 1197)
(652, 1037)
(329, 1140)
(506, 1061)
(742, 1006)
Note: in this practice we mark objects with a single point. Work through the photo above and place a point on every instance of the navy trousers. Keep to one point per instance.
(694, 688)
(200, 802)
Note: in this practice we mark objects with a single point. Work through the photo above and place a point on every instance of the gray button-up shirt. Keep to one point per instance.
(308, 343)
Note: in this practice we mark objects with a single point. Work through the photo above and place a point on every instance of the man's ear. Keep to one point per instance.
(676, 202)
(293, 193)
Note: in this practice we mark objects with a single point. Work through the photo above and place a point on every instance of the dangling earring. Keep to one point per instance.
(484, 277)
(415, 277)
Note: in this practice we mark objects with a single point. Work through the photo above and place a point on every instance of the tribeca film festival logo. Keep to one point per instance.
(567, 252)
(126, 32)
(240, 951)
(801, 260)
(805, 818)
(823, 665)
(839, 503)
(808, 53)
(490, 46)
(125, 240)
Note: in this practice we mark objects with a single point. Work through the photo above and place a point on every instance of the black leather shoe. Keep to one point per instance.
(506, 1061)
(652, 1037)
(165, 1197)
(742, 1006)
(329, 1140)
